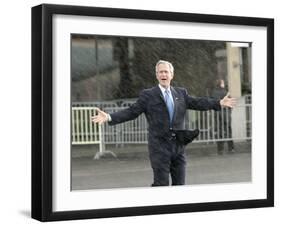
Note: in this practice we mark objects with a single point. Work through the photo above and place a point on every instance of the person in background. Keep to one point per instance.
(222, 120)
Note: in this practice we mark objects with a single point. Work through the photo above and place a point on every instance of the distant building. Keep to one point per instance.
(108, 68)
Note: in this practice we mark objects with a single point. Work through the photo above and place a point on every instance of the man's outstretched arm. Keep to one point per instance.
(206, 103)
(124, 115)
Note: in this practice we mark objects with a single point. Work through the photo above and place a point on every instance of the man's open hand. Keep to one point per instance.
(228, 101)
(101, 117)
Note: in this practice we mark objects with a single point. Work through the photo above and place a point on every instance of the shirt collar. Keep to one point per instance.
(163, 89)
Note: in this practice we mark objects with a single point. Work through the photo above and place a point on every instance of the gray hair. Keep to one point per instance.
(164, 62)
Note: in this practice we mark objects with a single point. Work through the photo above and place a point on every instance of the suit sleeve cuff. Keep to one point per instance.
(109, 119)
(218, 108)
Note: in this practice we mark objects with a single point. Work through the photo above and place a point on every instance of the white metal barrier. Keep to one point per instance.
(83, 130)
(214, 126)
(86, 132)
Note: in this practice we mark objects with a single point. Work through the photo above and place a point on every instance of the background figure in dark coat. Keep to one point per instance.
(164, 107)
(222, 120)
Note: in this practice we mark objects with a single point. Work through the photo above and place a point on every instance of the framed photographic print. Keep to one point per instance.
(140, 112)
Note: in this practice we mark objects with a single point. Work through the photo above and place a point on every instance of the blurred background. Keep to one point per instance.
(110, 68)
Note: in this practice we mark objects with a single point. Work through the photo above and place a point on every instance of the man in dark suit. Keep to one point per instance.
(164, 107)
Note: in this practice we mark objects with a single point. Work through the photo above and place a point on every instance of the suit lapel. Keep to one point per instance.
(159, 94)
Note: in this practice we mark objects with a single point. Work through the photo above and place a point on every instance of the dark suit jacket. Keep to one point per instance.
(151, 102)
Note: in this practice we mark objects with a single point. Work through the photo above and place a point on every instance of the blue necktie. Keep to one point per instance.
(170, 104)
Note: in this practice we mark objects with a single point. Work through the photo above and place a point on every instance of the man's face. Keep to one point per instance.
(164, 75)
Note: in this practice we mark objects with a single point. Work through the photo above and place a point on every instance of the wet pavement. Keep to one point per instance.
(132, 168)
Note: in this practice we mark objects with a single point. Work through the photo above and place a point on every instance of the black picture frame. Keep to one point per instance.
(42, 108)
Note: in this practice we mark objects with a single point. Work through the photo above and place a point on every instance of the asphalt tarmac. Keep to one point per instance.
(132, 168)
